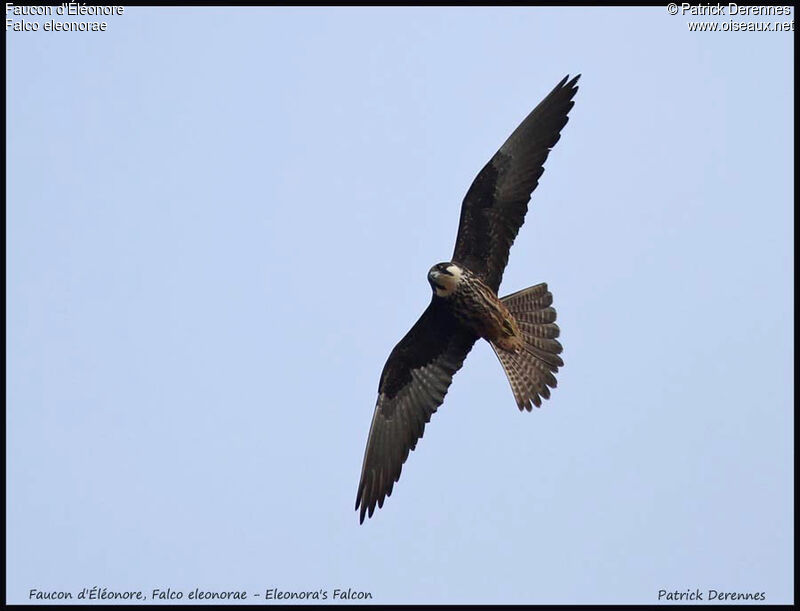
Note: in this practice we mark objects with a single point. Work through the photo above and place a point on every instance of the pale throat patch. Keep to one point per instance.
(450, 283)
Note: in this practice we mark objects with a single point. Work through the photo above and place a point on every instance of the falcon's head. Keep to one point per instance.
(444, 278)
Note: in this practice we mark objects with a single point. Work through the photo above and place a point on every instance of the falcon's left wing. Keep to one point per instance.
(413, 384)
(495, 205)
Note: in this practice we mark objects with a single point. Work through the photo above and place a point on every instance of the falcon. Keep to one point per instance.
(464, 307)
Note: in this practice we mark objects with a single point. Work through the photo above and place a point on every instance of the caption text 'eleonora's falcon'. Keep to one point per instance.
(520, 328)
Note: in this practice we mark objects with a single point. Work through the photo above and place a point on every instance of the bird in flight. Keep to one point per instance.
(464, 307)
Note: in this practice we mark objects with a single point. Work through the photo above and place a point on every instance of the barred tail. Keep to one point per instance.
(531, 370)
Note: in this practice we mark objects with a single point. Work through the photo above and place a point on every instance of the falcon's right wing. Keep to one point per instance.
(413, 384)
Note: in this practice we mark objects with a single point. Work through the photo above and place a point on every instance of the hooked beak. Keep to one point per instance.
(434, 277)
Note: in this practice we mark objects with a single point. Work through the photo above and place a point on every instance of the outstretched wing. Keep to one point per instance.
(495, 205)
(413, 384)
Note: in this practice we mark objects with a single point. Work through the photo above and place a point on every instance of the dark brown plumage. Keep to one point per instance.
(520, 327)
(495, 205)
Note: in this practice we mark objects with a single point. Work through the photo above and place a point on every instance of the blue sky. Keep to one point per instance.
(219, 223)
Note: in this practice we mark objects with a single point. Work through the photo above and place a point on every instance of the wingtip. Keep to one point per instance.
(572, 84)
(569, 85)
(360, 504)
(360, 493)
